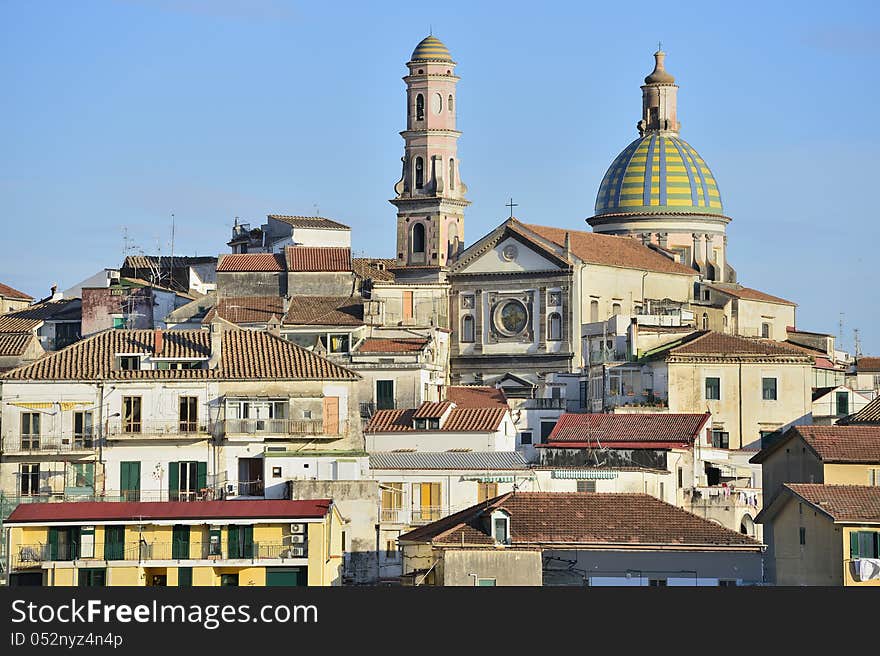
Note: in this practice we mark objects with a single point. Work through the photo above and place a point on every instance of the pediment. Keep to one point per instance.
(508, 251)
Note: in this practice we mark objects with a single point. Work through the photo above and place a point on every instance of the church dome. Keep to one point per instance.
(431, 49)
(658, 174)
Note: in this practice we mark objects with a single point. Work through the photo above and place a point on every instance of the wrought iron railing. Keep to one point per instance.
(277, 426)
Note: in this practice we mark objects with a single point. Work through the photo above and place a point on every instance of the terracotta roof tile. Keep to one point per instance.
(707, 342)
(155, 510)
(375, 268)
(432, 410)
(10, 292)
(246, 309)
(611, 250)
(12, 344)
(245, 354)
(868, 364)
(620, 429)
(832, 444)
(29, 318)
(325, 311)
(318, 258)
(251, 262)
(393, 345)
(542, 518)
(309, 222)
(842, 502)
(870, 414)
(476, 396)
(749, 294)
(464, 420)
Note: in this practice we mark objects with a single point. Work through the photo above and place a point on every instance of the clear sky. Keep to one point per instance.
(118, 113)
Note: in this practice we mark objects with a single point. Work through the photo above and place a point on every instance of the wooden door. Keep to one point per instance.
(407, 305)
(331, 415)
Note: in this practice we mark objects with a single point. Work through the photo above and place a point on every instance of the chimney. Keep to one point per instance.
(54, 295)
(634, 337)
(567, 244)
(157, 341)
(216, 344)
(273, 326)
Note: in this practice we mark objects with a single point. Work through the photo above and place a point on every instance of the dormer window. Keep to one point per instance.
(129, 362)
(420, 424)
(434, 424)
(501, 527)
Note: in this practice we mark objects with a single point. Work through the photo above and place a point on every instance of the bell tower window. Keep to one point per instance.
(418, 238)
(420, 107)
(449, 104)
(452, 174)
(420, 171)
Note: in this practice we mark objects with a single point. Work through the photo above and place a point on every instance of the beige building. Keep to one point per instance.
(11, 299)
(17, 349)
(823, 535)
(738, 310)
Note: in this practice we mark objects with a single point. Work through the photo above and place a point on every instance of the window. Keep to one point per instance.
(586, 486)
(594, 311)
(87, 542)
(82, 430)
(554, 327)
(30, 430)
(426, 502)
(864, 544)
(92, 577)
(420, 424)
(188, 414)
(546, 429)
(81, 475)
(184, 577)
(725, 323)
(118, 322)
(391, 549)
(276, 472)
(451, 172)
(180, 542)
(490, 583)
(420, 107)
(114, 542)
(500, 529)
(657, 583)
(680, 477)
(720, 439)
(232, 579)
(418, 238)
(842, 403)
(241, 541)
(433, 424)
(392, 501)
(339, 343)
(624, 382)
(467, 329)
(765, 330)
(450, 103)
(525, 437)
(131, 414)
(705, 321)
(29, 479)
(803, 535)
(615, 309)
(384, 394)
(215, 547)
(768, 387)
(713, 388)
(186, 479)
(486, 491)
(129, 362)
(706, 296)
(420, 178)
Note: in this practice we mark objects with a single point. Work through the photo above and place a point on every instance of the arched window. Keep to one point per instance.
(420, 172)
(453, 242)
(467, 328)
(452, 174)
(554, 327)
(449, 104)
(705, 321)
(418, 238)
(420, 107)
(725, 323)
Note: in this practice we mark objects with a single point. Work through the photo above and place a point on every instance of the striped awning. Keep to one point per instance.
(584, 474)
(490, 479)
(49, 405)
(35, 405)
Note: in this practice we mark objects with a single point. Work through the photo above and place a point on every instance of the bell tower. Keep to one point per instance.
(430, 196)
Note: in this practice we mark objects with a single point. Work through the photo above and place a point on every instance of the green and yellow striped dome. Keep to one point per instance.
(655, 174)
(431, 49)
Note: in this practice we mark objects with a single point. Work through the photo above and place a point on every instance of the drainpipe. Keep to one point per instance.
(740, 399)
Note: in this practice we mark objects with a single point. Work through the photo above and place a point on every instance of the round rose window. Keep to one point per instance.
(511, 317)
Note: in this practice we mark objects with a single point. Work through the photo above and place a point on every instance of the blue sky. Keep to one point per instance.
(118, 113)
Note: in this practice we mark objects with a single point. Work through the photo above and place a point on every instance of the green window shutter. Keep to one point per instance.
(184, 577)
(53, 543)
(180, 543)
(73, 541)
(877, 544)
(114, 542)
(247, 541)
(233, 542)
(201, 476)
(854, 544)
(173, 481)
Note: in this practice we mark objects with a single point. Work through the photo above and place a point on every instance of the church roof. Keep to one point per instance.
(431, 49)
(659, 174)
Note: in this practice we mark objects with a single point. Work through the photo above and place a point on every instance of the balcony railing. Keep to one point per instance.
(33, 555)
(545, 404)
(275, 427)
(426, 514)
(144, 429)
(48, 443)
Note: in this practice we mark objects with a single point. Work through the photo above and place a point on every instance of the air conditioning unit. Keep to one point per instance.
(296, 552)
(297, 528)
(231, 490)
(297, 539)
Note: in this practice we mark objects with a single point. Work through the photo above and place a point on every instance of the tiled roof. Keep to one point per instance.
(251, 262)
(478, 460)
(149, 262)
(375, 268)
(870, 414)
(318, 258)
(842, 502)
(309, 222)
(749, 294)
(29, 318)
(431, 410)
(245, 354)
(14, 343)
(465, 420)
(819, 392)
(247, 309)
(611, 250)
(832, 444)
(707, 342)
(476, 396)
(547, 518)
(868, 364)
(325, 311)
(9, 292)
(614, 429)
(393, 345)
(34, 513)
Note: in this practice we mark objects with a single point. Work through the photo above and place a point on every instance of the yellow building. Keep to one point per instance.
(209, 543)
(823, 535)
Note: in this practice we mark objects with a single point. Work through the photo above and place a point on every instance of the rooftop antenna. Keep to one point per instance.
(317, 210)
(857, 343)
(171, 260)
(840, 330)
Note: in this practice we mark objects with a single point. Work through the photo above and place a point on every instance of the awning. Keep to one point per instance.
(490, 479)
(43, 405)
(584, 474)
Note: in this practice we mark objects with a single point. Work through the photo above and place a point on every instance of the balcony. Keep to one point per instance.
(544, 404)
(139, 430)
(35, 444)
(282, 427)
